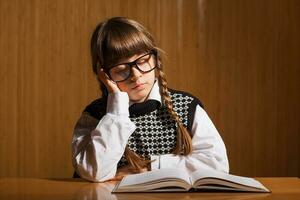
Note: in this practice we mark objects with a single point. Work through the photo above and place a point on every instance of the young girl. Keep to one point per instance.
(139, 124)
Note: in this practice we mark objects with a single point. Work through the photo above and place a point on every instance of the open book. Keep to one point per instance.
(165, 180)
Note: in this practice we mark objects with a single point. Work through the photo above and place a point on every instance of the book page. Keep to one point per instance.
(246, 181)
(155, 176)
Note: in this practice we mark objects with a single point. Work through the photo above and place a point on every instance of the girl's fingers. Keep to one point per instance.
(143, 170)
(103, 77)
(119, 178)
(110, 85)
(126, 170)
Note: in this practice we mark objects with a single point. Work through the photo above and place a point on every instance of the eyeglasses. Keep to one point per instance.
(122, 71)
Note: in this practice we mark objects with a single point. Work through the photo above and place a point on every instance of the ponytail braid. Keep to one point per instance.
(135, 160)
(184, 141)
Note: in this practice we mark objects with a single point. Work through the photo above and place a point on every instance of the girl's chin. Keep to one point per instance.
(138, 97)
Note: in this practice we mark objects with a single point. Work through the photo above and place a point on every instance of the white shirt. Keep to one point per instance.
(97, 151)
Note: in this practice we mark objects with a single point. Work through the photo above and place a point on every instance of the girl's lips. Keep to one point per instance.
(138, 86)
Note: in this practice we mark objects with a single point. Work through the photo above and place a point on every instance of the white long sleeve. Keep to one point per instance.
(209, 151)
(97, 146)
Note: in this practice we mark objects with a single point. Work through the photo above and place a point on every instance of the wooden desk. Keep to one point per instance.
(25, 188)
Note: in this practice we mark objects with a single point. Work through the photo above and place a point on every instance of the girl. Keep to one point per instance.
(139, 124)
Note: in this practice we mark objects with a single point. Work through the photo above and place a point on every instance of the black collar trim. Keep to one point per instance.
(138, 109)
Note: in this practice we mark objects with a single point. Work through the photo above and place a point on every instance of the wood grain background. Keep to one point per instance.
(240, 57)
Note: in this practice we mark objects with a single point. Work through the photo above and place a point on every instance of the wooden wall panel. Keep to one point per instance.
(240, 57)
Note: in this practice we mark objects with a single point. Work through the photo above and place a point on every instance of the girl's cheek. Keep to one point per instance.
(124, 87)
(120, 87)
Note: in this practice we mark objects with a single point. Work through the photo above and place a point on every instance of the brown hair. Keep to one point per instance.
(117, 38)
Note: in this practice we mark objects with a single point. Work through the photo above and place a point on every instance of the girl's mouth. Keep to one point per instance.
(138, 86)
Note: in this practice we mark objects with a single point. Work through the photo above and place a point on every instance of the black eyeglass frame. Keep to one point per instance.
(131, 65)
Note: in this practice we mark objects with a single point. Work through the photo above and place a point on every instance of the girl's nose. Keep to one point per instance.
(135, 73)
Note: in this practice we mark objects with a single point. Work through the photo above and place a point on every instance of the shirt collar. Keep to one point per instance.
(154, 93)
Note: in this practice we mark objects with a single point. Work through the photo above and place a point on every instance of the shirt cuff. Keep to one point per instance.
(154, 162)
(118, 103)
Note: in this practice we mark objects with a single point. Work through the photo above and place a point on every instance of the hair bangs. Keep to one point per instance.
(124, 41)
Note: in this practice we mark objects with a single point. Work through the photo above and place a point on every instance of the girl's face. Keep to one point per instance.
(139, 84)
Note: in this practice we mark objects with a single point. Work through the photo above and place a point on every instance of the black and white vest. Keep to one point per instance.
(155, 132)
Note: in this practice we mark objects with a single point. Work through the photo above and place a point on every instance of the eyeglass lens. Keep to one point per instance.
(121, 72)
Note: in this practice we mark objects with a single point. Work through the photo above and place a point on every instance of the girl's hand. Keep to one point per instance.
(126, 170)
(111, 86)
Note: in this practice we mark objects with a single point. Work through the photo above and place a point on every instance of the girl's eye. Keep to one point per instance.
(120, 68)
(143, 59)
